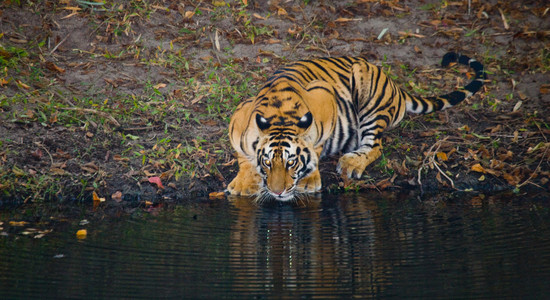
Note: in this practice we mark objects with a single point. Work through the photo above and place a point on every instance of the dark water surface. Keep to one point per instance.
(368, 245)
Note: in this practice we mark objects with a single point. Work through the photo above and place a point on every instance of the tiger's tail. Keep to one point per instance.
(431, 104)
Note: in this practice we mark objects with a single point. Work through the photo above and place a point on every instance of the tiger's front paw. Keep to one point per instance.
(310, 184)
(245, 184)
(352, 165)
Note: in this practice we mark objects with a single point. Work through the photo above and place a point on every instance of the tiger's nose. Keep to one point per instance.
(279, 193)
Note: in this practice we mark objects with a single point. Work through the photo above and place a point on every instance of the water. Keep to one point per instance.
(366, 246)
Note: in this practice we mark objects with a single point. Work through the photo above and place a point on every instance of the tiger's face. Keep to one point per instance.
(282, 163)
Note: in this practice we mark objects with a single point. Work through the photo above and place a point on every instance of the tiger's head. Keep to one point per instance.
(281, 133)
(285, 150)
(282, 163)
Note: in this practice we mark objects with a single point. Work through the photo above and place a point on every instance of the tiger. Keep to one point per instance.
(315, 108)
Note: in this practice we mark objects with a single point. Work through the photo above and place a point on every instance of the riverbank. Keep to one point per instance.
(130, 100)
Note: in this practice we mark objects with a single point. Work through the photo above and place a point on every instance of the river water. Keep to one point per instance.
(371, 245)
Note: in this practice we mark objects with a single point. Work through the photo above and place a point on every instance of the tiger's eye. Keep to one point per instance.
(267, 162)
(290, 163)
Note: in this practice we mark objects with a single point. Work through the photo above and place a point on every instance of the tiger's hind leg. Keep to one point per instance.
(373, 96)
(247, 182)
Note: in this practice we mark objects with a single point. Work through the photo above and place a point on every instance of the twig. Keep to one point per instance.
(432, 160)
(422, 166)
(304, 33)
(59, 44)
(42, 146)
(534, 172)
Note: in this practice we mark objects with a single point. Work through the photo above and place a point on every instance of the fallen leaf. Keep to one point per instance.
(22, 85)
(478, 168)
(57, 171)
(81, 234)
(159, 86)
(344, 20)
(442, 156)
(117, 157)
(117, 196)
(188, 14)
(97, 199)
(216, 195)
(516, 137)
(218, 3)
(257, 16)
(504, 22)
(517, 106)
(90, 167)
(156, 180)
(54, 68)
(18, 223)
(281, 11)
(37, 154)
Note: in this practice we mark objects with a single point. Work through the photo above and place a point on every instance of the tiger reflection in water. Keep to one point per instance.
(319, 248)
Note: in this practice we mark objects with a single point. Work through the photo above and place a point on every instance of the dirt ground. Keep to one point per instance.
(130, 100)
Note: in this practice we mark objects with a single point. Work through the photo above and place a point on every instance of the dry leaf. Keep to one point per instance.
(57, 171)
(504, 22)
(90, 167)
(156, 180)
(54, 68)
(21, 84)
(442, 156)
(216, 195)
(517, 106)
(478, 168)
(81, 234)
(516, 137)
(188, 14)
(117, 196)
(159, 86)
(218, 3)
(97, 198)
(257, 16)
(18, 223)
(343, 20)
(117, 157)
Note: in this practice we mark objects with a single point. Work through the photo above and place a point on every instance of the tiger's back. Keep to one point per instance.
(330, 105)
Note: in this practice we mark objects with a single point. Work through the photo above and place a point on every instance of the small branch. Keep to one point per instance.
(534, 172)
(59, 44)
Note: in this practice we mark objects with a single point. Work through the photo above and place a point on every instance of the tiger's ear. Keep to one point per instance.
(243, 132)
(262, 122)
(305, 121)
(321, 101)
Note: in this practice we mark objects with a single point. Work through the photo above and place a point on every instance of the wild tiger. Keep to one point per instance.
(313, 108)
